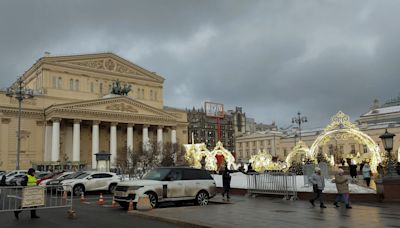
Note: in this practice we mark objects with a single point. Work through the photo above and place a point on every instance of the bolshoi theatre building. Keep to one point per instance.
(73, 116)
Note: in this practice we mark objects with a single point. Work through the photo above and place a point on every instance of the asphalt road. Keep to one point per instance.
(89, 214)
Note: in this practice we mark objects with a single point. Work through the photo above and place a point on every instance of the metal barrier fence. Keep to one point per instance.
(14, 198)
(277, 183)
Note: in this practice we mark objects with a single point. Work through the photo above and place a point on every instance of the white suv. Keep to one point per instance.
(91, 181)
(168, 184)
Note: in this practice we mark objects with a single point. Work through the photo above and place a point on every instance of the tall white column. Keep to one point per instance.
(129, 142)
(95, 142)
(113, 144)
(76, 141)
(145, 137)
(47, 142)
(160, 137)
(55, 142)
(173, 135)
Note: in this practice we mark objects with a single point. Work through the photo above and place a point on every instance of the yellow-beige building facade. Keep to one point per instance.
(73, 116)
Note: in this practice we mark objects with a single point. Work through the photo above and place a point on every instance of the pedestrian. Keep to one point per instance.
(29, 180)
(226, 182)
(380, 170)
(353, 170)
(366, 172)
(342, 186)
(318, 183)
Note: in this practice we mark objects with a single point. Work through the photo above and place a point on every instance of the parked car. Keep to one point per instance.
(55, 177)
(168, 184)
(91, 181)
(54, 183)
(15, 180)
(10, 175)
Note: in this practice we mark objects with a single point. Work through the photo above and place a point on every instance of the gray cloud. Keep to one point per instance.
(273, 58)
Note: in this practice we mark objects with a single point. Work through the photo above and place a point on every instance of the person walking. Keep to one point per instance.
(353, 171)
(366, 172)
(226, 182)
(318, 183)
(29, 180)
(342, 186)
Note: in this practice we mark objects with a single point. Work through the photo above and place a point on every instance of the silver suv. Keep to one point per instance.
(168, 184)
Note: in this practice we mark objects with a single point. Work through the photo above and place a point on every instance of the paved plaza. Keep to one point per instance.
(274, 212)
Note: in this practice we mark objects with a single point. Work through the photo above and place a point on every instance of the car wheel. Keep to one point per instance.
(202, 198)
(153, 199)
(112, 187)
(78, 189)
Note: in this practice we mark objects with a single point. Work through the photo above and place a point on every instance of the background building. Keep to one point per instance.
(205, 129)
(373, 123)
(72, 119)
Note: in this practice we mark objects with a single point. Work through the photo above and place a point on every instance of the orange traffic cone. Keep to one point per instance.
(101, 200)
(83, 197)
(113, 203)
(130, 208)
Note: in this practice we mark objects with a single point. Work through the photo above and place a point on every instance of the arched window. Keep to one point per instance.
(59, 83)
(71, 84)
(76, 84)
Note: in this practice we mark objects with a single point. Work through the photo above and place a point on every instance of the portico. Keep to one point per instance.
(107, 124)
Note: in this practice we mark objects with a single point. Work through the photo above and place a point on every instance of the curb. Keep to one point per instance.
(169, 220)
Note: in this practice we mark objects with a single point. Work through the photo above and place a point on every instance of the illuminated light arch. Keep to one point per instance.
(262, 161)
(196, 152)
(341, 128)
(300, 148)
(228, 157)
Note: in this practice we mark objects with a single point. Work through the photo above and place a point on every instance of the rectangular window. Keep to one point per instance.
(59, 83)
(284, 152)
(92, 87)
(365, 149)
(353, 149)
(77, 85)
(101, 88)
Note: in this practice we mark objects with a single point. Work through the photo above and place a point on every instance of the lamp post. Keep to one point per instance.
(387, 140)
(299, 120)
(19, 92)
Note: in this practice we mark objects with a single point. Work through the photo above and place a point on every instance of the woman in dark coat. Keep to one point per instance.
(226, 182)
(353, 170)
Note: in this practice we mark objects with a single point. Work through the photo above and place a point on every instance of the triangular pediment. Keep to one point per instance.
(115, 105)
(105, 62)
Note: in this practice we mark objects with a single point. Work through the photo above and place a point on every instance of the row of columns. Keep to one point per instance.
(55, 146)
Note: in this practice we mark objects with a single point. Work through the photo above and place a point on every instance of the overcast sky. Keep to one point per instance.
(273, 58)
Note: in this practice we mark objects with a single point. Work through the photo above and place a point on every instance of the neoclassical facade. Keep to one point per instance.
(73, 116)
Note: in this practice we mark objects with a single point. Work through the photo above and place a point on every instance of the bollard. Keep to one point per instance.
(113, 203)
(83, 197)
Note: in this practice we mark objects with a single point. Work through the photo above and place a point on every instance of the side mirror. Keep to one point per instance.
(89, 177)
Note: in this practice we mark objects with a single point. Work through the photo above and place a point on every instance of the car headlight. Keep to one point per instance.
(135, 187)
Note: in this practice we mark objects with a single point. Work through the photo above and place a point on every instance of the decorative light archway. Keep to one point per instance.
(300, 148)
(196, 152)
(342, 129)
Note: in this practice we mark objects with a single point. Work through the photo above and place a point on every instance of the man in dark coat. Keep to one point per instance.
(226, 182)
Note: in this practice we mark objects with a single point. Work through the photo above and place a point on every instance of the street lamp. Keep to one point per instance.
(299, 120)
(387, 140)
(19, 92)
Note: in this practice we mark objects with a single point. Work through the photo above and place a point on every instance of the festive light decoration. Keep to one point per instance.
(341, 125)
(261, 161)
(196, 152)
(300, 149)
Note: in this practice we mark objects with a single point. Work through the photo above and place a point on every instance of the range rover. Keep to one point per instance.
(168, 184)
